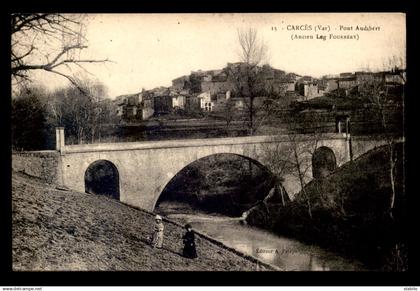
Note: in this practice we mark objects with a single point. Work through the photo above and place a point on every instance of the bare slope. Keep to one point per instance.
(68, 230)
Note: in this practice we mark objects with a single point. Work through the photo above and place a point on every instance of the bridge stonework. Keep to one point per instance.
(145, 168)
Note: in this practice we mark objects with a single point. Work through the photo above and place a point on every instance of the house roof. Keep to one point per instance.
(182, 78)
(346, 75)
(347, 79)
(363, 73)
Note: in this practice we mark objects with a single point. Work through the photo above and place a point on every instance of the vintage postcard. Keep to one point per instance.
(264, 142)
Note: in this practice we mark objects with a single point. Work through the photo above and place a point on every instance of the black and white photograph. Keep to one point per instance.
(255, 142)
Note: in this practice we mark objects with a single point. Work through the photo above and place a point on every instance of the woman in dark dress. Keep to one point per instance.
(189, 243)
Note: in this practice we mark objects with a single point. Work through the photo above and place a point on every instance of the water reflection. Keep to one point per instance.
(288, 254)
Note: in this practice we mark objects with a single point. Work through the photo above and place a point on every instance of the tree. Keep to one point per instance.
(276, 102)
(48, 42)
(82, 114)
(245, 76)
(385, 99)
(294, 158)
(28, 117)
(228, 111)
(107, 117)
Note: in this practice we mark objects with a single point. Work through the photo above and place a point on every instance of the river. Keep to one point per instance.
(285, 253)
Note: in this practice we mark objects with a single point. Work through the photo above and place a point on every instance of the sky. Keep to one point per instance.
(149, 50)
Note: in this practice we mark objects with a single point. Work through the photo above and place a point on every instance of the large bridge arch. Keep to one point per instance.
(175, 160)
(253, 161)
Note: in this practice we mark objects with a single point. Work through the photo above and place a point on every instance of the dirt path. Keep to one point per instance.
(68, 230)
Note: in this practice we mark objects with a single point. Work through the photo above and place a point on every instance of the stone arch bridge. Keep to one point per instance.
(145, 168)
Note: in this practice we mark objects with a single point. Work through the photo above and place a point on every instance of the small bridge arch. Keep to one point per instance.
(102, 178)
(323, 162)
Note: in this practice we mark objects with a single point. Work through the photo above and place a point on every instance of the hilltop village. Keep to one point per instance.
(212, 91)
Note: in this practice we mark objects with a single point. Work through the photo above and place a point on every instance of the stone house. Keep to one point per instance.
(162, 100)
(347, 82)
(363, 77)
(222, 97)
(162, 104)
(239, 103)
(206, 103)
(180, 83)
(119, 104)
(147, 109)
(134, 107)
(309, 90)
(215, 87)
(329, 82)
(290, 85)
(127, 105)
(178, 101)
(192, 103)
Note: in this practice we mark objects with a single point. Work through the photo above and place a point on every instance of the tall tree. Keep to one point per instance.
(245, 77)
(51, 42)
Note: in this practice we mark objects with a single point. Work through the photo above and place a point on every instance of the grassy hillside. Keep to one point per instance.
(350, 212)
(68, 230)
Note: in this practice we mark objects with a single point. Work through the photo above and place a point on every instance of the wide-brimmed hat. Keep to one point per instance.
(158, 217)
(187, 226)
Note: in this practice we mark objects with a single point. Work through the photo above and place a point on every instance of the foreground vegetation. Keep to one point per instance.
(350, 213)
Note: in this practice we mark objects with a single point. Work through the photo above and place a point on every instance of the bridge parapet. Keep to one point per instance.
(164, 144)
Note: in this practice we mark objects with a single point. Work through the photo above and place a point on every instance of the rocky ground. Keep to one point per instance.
(66, 230)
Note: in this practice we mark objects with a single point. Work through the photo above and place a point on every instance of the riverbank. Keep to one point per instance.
(284, 253)
(350, 212)
(62, 230)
